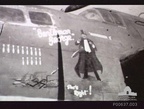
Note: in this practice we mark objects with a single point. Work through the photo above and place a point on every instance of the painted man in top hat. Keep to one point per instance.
(87, 62)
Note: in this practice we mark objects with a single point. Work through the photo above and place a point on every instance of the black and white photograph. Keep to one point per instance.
(72, 53)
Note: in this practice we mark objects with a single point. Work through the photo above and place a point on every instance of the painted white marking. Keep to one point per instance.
(31, 50)
(23, 62)
(31, 60)
(75, 87)
(72, 34)
(90, 89)
(34, 28)
(65, 35)
(39, 52)
(93, 45)
(27, 51)
(54, 71)
(80, 93)
(86, 46)
(3, 48)
(27, 60)
(22, 49)
(18, 50)
(13, 49)
(35, 51)
(63, 38)
(36, 62)
(52, 32)
(110, 38)
(40, 62)
(8, 48)
(100, 36)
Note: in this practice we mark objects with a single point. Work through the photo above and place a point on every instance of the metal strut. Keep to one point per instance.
(61, 91)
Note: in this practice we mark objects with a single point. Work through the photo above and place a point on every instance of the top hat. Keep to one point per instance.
(82, 32)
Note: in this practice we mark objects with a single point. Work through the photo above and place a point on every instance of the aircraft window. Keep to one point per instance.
(117, 19)
(131, 28)
(106, 16)
(40, 18)
(12, 15)
(92, 15)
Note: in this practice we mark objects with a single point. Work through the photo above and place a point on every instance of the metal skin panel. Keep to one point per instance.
(27, 49)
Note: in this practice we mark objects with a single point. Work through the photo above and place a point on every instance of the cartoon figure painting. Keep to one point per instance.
(87, 62)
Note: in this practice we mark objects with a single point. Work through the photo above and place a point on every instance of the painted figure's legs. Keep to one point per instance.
(95, 70)
(85, 71)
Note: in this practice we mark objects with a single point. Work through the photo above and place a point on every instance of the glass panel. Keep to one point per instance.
(117, 19)
(131, 28)
(9, 14)
(106, 16)
(40, 18)
(92, 15)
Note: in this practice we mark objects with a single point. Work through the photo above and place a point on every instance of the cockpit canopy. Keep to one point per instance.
(103, 15)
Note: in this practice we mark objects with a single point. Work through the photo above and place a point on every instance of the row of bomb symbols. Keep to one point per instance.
(31, 61)
(7, 48)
